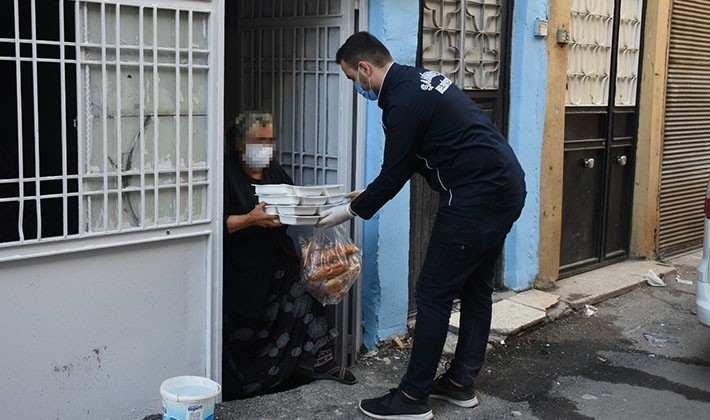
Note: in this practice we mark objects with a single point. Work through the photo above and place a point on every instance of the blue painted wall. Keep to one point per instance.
(386, 235)
(528, 90)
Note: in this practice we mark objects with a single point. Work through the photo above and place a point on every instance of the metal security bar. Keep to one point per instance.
(462, 40)
(589, 65)
(289, 69)
(589, 62)
(628, 52)
(110, 106)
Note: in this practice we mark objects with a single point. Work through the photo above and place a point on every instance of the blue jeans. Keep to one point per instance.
(463, 250)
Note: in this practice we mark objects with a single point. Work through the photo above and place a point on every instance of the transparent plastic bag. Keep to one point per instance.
(331, 263)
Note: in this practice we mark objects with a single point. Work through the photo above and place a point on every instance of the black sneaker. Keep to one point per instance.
(443, 389)
(395, 406)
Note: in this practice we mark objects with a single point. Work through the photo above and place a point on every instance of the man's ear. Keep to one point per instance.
(364, 67)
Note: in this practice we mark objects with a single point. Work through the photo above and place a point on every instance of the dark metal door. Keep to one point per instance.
(600, 134)
(598, 177)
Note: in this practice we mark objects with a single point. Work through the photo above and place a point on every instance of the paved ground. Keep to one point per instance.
(640, 355)
(381, 369)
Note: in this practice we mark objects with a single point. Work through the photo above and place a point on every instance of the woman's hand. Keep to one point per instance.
(260, 218)
(256, 217)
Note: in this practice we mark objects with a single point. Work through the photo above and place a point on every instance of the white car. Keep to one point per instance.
(702, 295)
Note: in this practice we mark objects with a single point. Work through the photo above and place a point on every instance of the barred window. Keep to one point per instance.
(291, 70)
(462, 40)
(107, 130)
(590, 54)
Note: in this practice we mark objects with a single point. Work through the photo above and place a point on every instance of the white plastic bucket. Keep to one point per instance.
(189, 398)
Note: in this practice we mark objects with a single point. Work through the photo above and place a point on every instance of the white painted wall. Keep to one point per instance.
(91, 335)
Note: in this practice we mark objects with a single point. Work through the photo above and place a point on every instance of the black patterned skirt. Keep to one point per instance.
(261, 353)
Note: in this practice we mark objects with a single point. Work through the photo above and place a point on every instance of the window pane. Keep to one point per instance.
(628, 53)
(462, 40)
(589, 61)
(153, 134)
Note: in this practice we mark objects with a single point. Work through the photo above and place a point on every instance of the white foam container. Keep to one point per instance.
(189, 398)
(288, 219)
(313, 201)
(332, 189)
(308, 190)
(283, 200)
(273, 189)
(297, 210)
(335, 198)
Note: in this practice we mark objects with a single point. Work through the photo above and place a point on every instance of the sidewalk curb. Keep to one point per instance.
(515, 312)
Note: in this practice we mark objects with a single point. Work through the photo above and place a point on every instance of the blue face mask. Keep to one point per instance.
(369, 94)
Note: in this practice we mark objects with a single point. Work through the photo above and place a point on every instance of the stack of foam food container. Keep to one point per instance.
(299, 205)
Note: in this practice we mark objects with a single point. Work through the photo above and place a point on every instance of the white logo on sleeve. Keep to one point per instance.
(431, 78)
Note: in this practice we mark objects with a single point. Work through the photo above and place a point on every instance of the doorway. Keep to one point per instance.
(280, 57)
(482, 30)
(600, 133)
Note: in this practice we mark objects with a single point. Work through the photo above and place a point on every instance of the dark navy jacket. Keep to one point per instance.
(433, 128)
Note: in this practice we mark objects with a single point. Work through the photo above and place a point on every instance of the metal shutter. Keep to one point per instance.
(686, 145)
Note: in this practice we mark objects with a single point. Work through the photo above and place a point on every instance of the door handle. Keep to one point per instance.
(588, 162)
(620, 160)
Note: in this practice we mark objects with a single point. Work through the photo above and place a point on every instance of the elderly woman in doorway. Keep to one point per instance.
(272, 327)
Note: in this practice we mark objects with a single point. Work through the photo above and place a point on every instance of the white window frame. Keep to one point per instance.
(190, 217)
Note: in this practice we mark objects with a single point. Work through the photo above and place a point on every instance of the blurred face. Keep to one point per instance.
(262, 133)
(257, 150)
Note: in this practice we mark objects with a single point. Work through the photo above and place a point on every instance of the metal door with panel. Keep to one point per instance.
(600, 134)
(284, 63)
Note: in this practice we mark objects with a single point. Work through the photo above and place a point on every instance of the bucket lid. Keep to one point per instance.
(168, 386)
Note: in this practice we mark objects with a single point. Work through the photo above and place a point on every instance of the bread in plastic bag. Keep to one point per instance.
(331, 263)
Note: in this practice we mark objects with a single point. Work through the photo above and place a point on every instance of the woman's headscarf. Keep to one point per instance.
(237, 129)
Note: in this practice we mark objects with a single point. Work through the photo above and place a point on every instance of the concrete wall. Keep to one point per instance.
(552, 159)
(645, 218)
(93, 334)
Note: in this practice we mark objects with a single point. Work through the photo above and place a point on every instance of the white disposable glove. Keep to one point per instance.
(335, 216)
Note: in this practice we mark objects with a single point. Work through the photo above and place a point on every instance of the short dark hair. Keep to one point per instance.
(363, 46)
